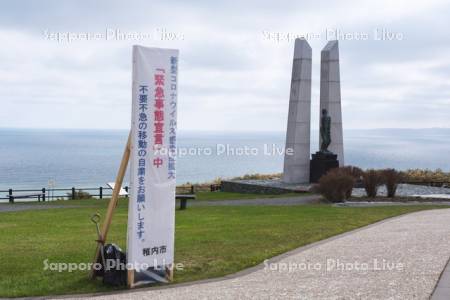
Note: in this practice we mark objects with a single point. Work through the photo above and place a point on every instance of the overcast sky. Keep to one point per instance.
(235, 61)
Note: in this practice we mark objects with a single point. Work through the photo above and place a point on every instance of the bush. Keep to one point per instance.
(352, 171)
(391, 178)
(419, 175)
(334, 185)
(372, 180)
(258, 176)
(80, 195)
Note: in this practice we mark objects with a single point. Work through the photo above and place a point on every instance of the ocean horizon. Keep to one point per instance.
(29, 158)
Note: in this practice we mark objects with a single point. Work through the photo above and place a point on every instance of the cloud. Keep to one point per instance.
(231, 76)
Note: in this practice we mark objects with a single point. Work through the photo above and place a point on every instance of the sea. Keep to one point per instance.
(35, 158)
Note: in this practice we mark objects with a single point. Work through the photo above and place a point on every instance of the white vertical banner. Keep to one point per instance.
(151, 215)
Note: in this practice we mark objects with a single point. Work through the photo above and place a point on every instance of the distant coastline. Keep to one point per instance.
(90, 157)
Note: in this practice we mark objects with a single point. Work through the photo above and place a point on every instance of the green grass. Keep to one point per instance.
(236, 196)
(210, 241)
(200, 196)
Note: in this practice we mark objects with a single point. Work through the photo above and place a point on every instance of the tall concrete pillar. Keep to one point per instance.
(330, 96)
(296, 166)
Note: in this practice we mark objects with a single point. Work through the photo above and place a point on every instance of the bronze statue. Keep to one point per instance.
(325, 130)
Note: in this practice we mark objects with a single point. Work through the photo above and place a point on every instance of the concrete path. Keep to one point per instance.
(400, 258)
(261, 201)
(442, 290)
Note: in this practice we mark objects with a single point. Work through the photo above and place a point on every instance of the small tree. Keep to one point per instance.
(334, 185)
(354, 172)
(391, 178)
(372, 180)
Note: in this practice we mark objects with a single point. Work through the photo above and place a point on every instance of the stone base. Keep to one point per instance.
(321, 163)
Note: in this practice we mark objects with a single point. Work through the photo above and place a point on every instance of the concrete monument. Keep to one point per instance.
(296, 166)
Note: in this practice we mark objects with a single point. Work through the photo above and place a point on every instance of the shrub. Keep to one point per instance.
(372, 180)
(80, 195)
(352, 171)
(419, 175)
(391, 178)
(258, 176)
(334, 185)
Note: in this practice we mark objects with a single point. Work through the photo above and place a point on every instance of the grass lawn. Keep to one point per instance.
(210, 241)
(200, 196)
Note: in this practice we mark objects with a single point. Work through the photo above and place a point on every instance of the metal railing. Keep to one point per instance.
(50, 194)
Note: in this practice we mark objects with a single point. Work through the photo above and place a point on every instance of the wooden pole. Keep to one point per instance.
(169, 272)
(113, 202)
(130, 278)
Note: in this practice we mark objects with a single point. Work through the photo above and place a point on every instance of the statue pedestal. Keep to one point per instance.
(321, 163)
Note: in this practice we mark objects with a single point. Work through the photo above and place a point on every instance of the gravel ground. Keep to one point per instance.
(405, 190)
(400, 258)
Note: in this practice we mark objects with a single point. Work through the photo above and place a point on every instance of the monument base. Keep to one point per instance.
(321, 163)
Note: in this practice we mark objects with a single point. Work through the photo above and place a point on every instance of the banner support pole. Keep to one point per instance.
(130, 278)
(169, 272)
(113, 202)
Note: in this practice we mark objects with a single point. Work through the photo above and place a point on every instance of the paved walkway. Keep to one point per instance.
(261, 201)
(400, 258)
(442, 290)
